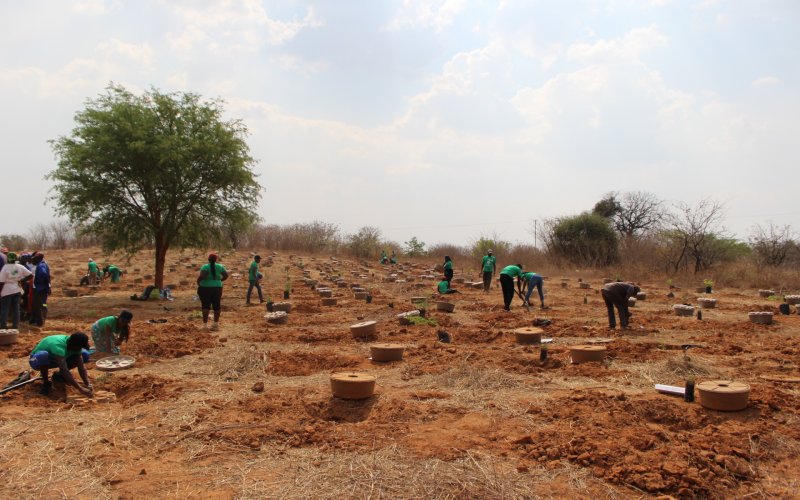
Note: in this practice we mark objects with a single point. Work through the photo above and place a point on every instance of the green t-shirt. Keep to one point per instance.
(448, 264)
(443, 286)
(113, 269)
(252, 275)
(527, 276)
(210, 281)
(93, 267)
(512, 271)
(109, 322)
(488, 263)
(56, 345)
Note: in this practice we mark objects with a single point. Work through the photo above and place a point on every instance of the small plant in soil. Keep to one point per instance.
(420, 320)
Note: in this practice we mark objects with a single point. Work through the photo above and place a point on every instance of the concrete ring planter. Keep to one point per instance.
(683, 310)
(325, 292)
(277, 317)
(528, 335)
(403, 318)
(360, 295)
(723, 395)
(792, 299)
(766, 293)
(68, 292)
(641, 296)
(386, 352)
(631, 301)
(364, 329)
(418, 300)
(282, 306)
(707, 303)
(564, 284)
(9, 336)
(587, 353)
(115, 363)
(329, 301)
(352, 385)
(585, 286)
(445, 306)
(760, 317)
(700, 289)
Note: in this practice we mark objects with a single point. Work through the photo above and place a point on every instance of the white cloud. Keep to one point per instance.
(93, 6)
(627, 48)
(141, 54)
(435, 14)
(766, 81)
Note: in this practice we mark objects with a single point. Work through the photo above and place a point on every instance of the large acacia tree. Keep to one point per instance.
(155, 170)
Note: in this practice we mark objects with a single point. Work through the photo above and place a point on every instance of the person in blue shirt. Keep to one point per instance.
(41, 289)
(531, 281)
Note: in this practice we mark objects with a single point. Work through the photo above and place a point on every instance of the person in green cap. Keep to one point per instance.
(109, 332)
(113, 271)
(488, 267)
(64, 352)
(209, 289)
(507, 276)
(531, 281)
(94, 272)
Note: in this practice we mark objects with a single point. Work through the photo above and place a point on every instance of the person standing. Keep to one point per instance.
(209, 289)
(617, 295)
(41, 290)
(448, 269)
(254, 278)
(384, 258)
(531, 280)
(64, 352)
(3, 257)
(10, 292)
(507, 276)
(93, 272)
(109, 332)
(488, 267)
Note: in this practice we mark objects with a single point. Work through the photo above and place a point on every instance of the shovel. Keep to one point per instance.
(20, 384)
(525, 303)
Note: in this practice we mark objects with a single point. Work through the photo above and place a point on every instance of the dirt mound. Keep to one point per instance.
(169, 340)
(298, 363)
(138, 389)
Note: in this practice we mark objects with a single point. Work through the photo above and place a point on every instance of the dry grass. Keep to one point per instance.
(681, 367)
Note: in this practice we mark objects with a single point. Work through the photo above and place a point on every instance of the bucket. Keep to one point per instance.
(784, 308)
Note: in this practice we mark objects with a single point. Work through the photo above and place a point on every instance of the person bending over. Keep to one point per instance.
(64, 352)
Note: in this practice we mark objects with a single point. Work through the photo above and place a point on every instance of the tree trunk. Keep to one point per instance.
(161, 257)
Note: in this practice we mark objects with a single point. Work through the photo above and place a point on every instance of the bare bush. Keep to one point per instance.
(39, 236)
(691, 235)
(15, 242)
(771, 245)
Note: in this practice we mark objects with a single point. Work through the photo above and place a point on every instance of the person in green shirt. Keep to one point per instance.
(254, 278)
(109, 332)
(64, 352)
(113, 271)
(393, 260)
(384, 258)
(448, 268)
(444, 287)
(507, 276)
(488, 267)
(94, 272)
(531, 281)
(209, 289)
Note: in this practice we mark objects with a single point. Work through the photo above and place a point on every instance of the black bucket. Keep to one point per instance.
(784, 308)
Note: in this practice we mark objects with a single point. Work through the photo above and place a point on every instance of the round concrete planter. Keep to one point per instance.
(386, 352)
(282, 306)
(445, 306)
(700, 289)
(9, 336)
(584, 285)
(277, 317)
(792, 299)
(418, 300)
(632, 302)
(325, 292)
(352, 385)
(403, 318)
(641, 296)
(115, 363)
(360, 295)
(760, 317)
(68, 292)
(528, 335)
(587, 353)
(683, 310)
(329, 301)
(707, 303)
(766, 293)
(723, 395)
(364, 330)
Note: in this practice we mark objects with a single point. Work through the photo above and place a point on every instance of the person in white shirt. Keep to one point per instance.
(10, 291)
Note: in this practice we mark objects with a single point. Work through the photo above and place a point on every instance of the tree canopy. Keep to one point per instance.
(583, 239)
(156, 169)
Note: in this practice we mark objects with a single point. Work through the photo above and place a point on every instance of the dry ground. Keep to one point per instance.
(480, 417)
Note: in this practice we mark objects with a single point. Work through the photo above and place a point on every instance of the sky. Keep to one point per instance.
(447, 120)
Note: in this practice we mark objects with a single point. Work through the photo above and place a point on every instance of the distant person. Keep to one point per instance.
(393, 260)
(254, 278)
(507, 276)
(10, 276)
(384, 258)
(113, 271)
(109, 332)
(64, 352)
(488, 267)
(3, 257)
(617, 295)
(93, 272)
(209, 289)
(531, 281)
(448, 268)
(41, 290)
(444, 287)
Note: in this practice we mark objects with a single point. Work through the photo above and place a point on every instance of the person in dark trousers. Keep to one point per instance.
(41, 289)
(64, 352)
(209, 289)
(10, 292)
(448, 269)
(617, 295)
(254, 278)
(531, 281)
(488, 267)
(507, 276)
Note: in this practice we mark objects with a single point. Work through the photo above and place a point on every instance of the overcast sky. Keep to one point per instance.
(445, 120)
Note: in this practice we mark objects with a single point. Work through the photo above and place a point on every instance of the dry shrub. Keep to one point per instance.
(680, 367)
(466, 376)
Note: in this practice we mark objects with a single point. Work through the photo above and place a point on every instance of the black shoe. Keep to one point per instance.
(45, 390)
(58, 377)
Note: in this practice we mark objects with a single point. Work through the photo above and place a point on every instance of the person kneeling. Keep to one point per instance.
(444, 287)
(63, 352)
